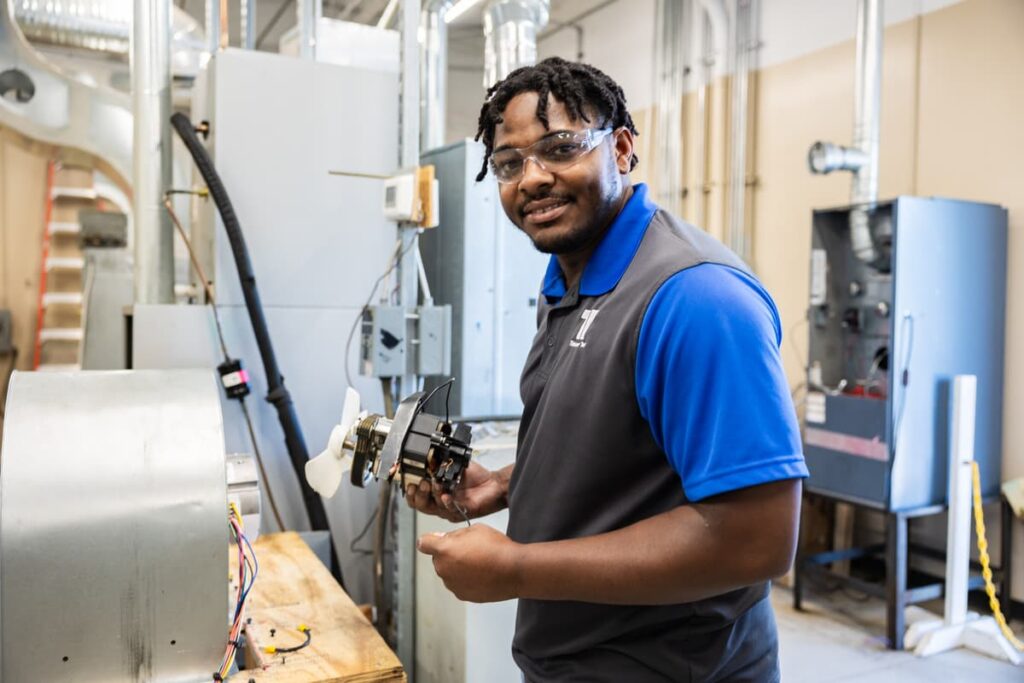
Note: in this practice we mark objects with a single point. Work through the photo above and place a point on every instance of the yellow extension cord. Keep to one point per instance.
(986, 570)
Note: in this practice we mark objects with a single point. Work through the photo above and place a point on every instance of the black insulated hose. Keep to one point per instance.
(277, 394)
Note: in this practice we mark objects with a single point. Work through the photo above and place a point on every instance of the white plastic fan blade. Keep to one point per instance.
(325, 471)
(350, 411)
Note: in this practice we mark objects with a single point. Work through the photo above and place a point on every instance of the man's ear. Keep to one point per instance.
(624, 140)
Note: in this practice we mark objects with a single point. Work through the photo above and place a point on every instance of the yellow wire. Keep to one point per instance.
(986, 570)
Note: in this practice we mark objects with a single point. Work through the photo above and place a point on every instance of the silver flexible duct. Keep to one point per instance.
(433, 72)
(103, 26)
(862, 157)
(510, 35)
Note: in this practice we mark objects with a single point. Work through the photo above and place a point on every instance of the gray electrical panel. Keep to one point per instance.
(488, 271)
(887, 337)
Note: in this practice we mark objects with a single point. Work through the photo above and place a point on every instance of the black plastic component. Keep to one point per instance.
(852, 319)
(234, 378)
(277, 394)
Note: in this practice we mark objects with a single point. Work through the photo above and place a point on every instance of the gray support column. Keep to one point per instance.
(151, 156)
(409, 122)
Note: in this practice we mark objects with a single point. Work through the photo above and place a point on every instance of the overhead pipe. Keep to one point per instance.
(433, 73)
(743, 48)
(308, 13)
(151, 157)
(862, 157)
(510, 35)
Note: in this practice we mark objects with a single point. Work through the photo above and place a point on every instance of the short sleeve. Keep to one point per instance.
(710, 382)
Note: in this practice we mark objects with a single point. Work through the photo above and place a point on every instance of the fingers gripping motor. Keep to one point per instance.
(413, 446)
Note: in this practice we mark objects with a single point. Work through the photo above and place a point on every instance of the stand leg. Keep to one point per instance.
(798, 583)
(1006, 555)
(896, 578)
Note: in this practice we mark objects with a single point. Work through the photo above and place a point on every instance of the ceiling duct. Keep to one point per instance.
(510, 35)
(862, 157)
(433, 72)
(103, 26)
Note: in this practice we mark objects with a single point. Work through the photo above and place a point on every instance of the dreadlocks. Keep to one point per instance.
(580, 87)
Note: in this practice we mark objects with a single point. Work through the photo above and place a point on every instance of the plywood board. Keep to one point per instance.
(293, 588)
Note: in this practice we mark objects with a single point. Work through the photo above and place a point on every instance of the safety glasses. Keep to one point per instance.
(553, 153)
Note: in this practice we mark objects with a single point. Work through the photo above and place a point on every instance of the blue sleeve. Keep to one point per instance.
(710, 383)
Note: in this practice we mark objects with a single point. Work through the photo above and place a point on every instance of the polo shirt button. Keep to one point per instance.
(551, 341)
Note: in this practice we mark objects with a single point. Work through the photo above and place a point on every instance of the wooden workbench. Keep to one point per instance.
(293, 588)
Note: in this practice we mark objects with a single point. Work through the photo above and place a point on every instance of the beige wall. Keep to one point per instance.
(952, 96)
(22, 203)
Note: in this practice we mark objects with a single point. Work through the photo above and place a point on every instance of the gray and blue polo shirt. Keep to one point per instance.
(654, 382)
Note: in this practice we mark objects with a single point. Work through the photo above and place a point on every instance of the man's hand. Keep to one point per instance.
(480, 493)
(477, 563)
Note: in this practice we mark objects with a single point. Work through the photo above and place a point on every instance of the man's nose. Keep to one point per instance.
(534, 177)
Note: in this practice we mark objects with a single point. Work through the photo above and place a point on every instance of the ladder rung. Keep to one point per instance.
(58, 367)
(61, 334)
(73, 193)
(62, 298)
(58, 228)
(65, 263)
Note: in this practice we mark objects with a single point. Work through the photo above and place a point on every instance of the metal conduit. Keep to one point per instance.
(433, 73)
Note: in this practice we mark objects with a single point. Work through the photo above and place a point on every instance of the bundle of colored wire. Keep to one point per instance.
(248, 568)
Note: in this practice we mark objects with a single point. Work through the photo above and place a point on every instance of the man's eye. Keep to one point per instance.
(564, 150)
(507, 165)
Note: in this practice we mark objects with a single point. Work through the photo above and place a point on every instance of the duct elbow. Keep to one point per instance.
(825, 157)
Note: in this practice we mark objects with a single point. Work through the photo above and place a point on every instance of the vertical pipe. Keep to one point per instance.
(739, 239)
(867, 113)
(409, 121)
(433, 73)
(212, 14)
(510, 35)
(248, 27)
(307, 14)
(151, 157)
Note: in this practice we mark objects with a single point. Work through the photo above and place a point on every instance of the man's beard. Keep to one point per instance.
(575, 239)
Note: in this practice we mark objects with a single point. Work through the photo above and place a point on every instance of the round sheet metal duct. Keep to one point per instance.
(113, 527)
(433, 73)
(510, 36)
(104, 26)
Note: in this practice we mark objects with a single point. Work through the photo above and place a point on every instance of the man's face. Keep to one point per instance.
(567, 211)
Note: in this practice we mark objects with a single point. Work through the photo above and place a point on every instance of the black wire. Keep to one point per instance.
(286, 650)
(448, 383)
(362, 534)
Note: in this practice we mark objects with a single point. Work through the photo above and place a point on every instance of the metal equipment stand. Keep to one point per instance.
(896, 589)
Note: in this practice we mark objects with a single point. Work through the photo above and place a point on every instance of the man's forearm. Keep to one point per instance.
(686, 554)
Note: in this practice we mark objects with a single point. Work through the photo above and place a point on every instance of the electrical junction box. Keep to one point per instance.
(6, 332)
(385, 340)
(398, 341)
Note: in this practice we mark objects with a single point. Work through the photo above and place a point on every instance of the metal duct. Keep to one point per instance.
(744, 42)
(433, 73)
(151, 158)
(104, 26)
(510, 35)
(862, 157)
(673, 17)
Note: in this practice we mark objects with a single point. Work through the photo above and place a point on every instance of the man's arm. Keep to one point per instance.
(696, 551)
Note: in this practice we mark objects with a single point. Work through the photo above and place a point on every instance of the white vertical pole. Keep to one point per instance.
(958, 542)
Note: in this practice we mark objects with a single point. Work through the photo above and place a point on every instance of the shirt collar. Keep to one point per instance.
(613, 255)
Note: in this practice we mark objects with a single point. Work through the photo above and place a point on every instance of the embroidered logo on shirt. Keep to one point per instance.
(580, 339)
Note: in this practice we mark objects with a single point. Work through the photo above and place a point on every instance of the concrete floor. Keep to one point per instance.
(838, 638)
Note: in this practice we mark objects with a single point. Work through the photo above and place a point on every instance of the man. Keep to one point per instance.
(656, 488)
